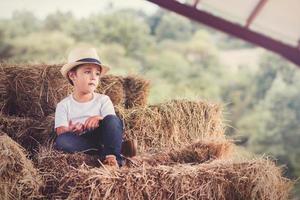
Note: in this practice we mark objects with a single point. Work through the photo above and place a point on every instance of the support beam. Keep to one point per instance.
(255, 12)
(287, 51)
(195, 3)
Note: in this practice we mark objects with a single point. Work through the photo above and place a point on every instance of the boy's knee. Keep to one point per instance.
(113, 125)
(112, 120)
(63, 143)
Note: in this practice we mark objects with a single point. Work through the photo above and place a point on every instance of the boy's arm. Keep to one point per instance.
(75, 128)
(61, 129)
(61, 119)
(107, 107)
(92, 122)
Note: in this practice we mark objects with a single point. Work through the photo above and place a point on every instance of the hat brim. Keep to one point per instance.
(67, 67)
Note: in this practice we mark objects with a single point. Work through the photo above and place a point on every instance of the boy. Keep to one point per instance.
(85, 121)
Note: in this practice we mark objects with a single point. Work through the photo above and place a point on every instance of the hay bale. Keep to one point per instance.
(4, 91)
(112, 86)
(18, 177)
(136, 90)
(255, 179)
(173, 123)
(27, 85)
(127, 92)
(195, 153)
(28, 132)
(56, 88)
(156, 127)
(170, 124)
(6, 96)
(35, 90)
(53, 165)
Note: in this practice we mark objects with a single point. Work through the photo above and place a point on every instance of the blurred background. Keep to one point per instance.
(181, 58)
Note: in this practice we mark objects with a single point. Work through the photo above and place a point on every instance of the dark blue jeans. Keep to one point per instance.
(104, 140)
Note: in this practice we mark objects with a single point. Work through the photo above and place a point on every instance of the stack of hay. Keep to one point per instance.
(28, 132)
(183, 152)
(256, 179)
(4, 96)
(29, 94)
(19, 179)
(34, 90)
(172, 124)
(127, 92)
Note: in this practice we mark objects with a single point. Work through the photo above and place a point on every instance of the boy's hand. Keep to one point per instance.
(92, 122)
(76, 128)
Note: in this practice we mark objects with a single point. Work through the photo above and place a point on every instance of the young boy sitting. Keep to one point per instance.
(85, 121)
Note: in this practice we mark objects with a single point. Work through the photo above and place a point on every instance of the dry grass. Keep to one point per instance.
(4, 91)
(112, 86)
(27, 132)
(18, 177)
(166, 125)
(34, 90)
(255, 179)
(136, 90)
(128, 92)
(172, 124)
(53, 165)
(171, 165)
(56, 88)
(195, 153)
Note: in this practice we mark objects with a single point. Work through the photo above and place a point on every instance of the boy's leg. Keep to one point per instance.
(72, 142)
(109, 136)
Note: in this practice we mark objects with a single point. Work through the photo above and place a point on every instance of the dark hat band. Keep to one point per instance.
(93, 60)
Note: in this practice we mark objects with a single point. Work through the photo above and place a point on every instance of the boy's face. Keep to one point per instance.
(86, 77)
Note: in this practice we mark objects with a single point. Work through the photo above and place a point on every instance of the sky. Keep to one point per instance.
(80, 8)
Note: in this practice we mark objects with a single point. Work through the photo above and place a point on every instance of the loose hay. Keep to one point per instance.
(27, 132)
(34, 91)
(53, 165)
(128, 91)
(198, 152)
(4, 91)
(136, 90)
(56, 88)
(255, 179)
(18, 177)
(112, 86)
(36, 88)
(167, 125)
(172, 124)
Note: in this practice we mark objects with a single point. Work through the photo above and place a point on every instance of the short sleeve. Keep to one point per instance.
(107, 107)
(61, 116)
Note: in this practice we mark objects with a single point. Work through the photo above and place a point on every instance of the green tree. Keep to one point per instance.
(5, 47)
(59, 21)
(49, 47)
(21, 24)
(121, 28)
(173, 27)
(129, 31)
(272, 120)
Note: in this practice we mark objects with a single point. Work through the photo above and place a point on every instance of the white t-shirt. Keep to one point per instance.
(70, 109)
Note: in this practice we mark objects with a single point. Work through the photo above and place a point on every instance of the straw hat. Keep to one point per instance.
(83, 55)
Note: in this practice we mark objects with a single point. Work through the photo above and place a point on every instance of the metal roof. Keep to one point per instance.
(272, 24)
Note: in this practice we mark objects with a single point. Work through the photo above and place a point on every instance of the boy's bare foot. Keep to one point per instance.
(111, 161)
